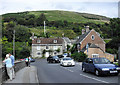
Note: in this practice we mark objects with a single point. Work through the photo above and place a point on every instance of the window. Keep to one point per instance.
(38, 47)
(38, 53)
(55, 47)
(92, 37)
(55, 41)
(47, 47)
(95, 55)
(38, 41)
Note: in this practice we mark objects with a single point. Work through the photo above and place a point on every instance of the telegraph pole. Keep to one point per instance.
(44, 28)
(14, 42)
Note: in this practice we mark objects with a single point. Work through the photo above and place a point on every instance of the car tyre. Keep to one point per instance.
(116, 74)
(97, 73)
(83, 69)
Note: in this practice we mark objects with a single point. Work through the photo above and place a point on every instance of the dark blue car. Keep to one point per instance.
(100, 66)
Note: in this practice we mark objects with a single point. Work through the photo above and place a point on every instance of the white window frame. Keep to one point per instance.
(55, 47)
(93, 37)
(55, 41)
(95, 55)
(38, 41)
(38, 47)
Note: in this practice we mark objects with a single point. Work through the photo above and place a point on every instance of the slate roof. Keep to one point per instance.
(48, 41)
(81, 37)
(90, 45)
(67, 39)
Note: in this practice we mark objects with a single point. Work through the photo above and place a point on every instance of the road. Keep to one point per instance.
(54, 73)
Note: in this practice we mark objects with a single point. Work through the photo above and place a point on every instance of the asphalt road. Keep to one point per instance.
(54, 73)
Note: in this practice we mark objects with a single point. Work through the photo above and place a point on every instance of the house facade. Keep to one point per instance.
(92, 44)
(67, 41)
(47, 46)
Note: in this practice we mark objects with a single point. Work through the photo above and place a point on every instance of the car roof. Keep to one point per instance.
(67, 57)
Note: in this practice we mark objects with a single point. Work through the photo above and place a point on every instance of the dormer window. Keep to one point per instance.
(55, 41)
(93, 37)
(38, 41)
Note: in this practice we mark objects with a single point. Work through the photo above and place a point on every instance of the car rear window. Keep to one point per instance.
(67, 59)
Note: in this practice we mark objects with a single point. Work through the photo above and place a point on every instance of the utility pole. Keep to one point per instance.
(119, 9)
(14, 42)
(44, 28)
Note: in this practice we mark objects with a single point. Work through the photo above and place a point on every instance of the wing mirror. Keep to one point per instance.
(91, 61)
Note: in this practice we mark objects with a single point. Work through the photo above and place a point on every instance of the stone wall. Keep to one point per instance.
(3, 72)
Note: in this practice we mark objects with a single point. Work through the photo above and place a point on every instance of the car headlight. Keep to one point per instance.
(56, 59)
(118, 68)
(105, 69)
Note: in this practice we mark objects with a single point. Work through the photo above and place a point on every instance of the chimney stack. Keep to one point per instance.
(87, 28)
(83, 31)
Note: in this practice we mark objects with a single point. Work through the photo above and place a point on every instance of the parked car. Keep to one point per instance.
(32, 60)
(67, 61)
(60, 56)
(22, 59)
(53, 59)
(100, 66)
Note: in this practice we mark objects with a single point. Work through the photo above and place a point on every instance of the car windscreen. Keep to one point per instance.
(66, 59)
(101, 61)
(55, 57)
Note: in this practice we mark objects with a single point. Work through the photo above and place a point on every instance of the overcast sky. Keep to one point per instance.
(107, 8)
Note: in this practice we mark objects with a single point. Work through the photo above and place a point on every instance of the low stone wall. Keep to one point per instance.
(3, 72)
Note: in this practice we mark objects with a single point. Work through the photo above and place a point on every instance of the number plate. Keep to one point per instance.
(113, 71)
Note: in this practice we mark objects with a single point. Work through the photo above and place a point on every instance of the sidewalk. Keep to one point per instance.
(25, 75)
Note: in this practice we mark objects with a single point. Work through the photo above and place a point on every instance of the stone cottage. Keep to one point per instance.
(47, 46)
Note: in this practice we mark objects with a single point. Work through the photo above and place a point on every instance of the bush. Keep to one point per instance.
(79, 56)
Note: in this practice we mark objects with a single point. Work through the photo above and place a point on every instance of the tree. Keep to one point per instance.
(23, 34)
(40, 20)
(79, 56)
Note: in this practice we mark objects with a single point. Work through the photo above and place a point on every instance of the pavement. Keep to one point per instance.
(25, 75)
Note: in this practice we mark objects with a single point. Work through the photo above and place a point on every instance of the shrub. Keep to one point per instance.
(79, 56)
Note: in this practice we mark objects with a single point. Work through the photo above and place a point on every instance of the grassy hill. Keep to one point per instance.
(63, 15)
(75, 22)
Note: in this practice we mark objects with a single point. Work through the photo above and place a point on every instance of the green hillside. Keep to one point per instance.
(57, 23)
(63, 15)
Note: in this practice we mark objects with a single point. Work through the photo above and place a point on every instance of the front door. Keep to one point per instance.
(47, 54)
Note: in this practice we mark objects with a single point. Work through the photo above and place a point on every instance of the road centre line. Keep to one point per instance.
(68, 69)
(94, 78)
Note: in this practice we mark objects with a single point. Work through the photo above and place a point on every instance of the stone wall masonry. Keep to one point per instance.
(3, 73)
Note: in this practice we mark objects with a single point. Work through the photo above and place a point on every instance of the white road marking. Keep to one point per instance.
(68, 69)
(94, 78)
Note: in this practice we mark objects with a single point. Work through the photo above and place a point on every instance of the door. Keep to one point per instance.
(86, 64)
(47, 54)
(91, 65)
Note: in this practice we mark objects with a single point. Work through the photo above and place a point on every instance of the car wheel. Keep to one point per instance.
(83, 69)
(97, 73)
(116, 74)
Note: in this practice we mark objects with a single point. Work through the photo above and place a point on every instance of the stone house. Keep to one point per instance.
(92, 44)
(47, 46)
(67, 41)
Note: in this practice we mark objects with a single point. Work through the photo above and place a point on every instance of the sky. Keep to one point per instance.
(107, 8)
